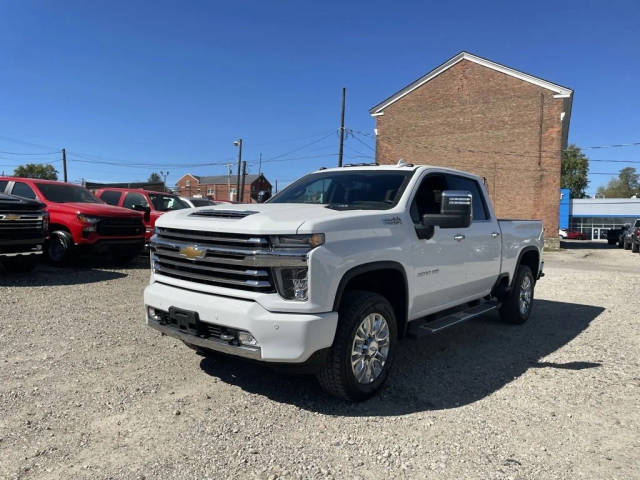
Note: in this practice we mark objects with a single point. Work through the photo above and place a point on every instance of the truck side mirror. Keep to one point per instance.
(144, 209)
(455, 211)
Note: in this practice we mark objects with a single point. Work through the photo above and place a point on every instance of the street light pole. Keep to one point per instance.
(238, 143)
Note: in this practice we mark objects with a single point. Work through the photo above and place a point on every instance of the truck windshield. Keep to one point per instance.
(164, 203)
(65, 193)
(373, 190)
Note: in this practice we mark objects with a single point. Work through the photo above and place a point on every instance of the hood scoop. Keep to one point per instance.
(211, 212)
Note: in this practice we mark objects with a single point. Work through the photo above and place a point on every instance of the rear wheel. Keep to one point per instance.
(21, 264)
(517, 305)
(635, 247)
(58, 247)
(627, 246)
(363, 349)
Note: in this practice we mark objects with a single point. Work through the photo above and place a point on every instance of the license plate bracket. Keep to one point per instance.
(185, 320)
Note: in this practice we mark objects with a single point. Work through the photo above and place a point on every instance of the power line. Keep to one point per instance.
(24, 153)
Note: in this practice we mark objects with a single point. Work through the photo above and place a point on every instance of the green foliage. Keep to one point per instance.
(575, 167)
(625, 186)
(154, 178)
(36, 170)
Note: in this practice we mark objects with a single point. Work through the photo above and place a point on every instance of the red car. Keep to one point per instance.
(152, 204)
(80, 221)
(576, 235)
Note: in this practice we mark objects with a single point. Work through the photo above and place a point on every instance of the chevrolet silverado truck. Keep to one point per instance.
(81, 222)
(23, 228)
(332, 272)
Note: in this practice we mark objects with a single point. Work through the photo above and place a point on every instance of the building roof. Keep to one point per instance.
(223, 179)
(559, 90)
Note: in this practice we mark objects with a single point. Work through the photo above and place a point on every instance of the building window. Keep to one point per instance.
(188, 183)
(209, 191)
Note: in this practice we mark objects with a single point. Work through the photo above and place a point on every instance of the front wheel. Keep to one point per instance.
(58, 247)
(363, 349)
(516, 307)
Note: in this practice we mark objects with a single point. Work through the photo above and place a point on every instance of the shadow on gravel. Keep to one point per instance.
(455, 368)
(46, 275)
(585, 244)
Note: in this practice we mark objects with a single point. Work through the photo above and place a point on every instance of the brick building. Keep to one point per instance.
(221, 187)
(476, 115)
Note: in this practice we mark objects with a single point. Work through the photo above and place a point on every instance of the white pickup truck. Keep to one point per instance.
(335, 269)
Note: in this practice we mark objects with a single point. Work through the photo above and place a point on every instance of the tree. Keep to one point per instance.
(575, 166)
(36, 170)
(625, 186)
(154, 178)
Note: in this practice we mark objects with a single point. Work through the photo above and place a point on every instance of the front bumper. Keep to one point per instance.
(122, 245)
(282, 337)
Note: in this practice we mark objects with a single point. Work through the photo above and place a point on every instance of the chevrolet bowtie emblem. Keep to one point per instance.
(192, 252)
(12, 217)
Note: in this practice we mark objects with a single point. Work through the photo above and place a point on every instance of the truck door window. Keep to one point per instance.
(134, 199)
(111, 197)
(463, 183)
(428, 197)
(3, 185)
(21, 189)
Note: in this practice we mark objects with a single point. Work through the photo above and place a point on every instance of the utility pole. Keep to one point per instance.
(64, 163)
(244, 174)
(260, 164)
(164, 178)
(238, 143)
(344, 93)
(276, 186)
(229, 165)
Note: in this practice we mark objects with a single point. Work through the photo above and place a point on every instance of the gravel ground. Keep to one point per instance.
(87, 391)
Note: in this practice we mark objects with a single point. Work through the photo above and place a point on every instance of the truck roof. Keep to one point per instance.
(404, 166)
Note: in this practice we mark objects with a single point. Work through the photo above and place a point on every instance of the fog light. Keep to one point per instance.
(153, 315)
(245, 338)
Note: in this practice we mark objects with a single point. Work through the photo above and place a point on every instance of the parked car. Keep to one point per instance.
(79, 221)
(23, 229)
(575, 235)
(622, 234)
(336, 268)
(633, 237)
(151, 204)
(195, 202)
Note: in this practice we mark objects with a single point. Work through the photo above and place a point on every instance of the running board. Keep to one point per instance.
(420, 328)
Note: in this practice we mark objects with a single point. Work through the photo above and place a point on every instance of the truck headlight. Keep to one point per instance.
(292, 283)
(89, 222)
(297, 241)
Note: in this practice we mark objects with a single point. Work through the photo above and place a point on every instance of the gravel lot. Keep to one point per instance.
(87, 391)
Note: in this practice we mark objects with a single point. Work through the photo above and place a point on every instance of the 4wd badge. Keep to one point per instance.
(192, 252)
(392, 221)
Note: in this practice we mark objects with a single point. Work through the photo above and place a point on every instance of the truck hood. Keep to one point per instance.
(264, 218)
(98, 209)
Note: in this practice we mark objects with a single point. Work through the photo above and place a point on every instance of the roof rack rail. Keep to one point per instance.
(403, 163)
(362, 164)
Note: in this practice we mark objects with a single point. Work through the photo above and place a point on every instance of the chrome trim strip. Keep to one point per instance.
(18, 254)
(250, 241)
(191, 264)
(254, 353)
(209, 278)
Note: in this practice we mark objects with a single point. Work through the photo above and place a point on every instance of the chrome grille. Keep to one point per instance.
(20, 225)
(222, 259)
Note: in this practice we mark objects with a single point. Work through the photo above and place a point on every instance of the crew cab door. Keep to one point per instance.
(439, 270)
(482, 242)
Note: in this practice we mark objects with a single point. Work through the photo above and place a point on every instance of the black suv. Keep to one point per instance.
(23, 227)
(632, 238)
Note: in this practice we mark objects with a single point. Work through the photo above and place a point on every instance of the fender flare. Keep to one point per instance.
(369, 267)
(520, 255)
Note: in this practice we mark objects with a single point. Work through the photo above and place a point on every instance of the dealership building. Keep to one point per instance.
(594, 216)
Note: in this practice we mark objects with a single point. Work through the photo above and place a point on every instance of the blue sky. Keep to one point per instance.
(175, 82)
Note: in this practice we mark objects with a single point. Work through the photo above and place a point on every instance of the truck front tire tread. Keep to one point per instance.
(337, 377)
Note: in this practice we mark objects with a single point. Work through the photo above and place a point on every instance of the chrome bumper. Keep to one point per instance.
(210, 343)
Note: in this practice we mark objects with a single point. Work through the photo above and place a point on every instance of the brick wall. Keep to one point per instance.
(476, 119)
(219, 191)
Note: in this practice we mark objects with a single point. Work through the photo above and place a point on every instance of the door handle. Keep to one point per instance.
(495, 234)
(459, 237)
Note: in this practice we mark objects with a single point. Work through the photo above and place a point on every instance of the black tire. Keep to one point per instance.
(626, 246)
(21, 264)
(510, 310)
(635, 247)
(338, 377)
(58, 247)
(620, 244)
